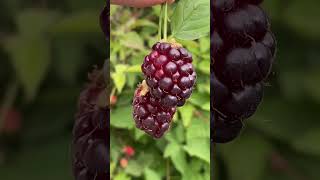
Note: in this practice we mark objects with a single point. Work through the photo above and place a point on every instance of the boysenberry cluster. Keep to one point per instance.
(242, 49)
(90, 133)
(169, 80)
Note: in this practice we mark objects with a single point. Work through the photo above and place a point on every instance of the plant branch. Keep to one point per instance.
(160, 23)
(168, 169)
(165, 23)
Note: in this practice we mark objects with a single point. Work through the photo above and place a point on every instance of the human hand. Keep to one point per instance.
(140, 3)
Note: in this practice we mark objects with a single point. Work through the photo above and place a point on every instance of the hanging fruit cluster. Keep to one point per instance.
(243, 50)
(169, 81)
(90, 142)
(90, 155)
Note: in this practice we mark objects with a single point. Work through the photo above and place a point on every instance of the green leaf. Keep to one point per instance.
(33, 22)
(297, 12)
(199, 99)
(112, 168)
(78, 23)
(171, 149)
(119, 77)
(132, 40)
(186, 112)
(242, 161)
(143, 23)
(134, 69)
(308, 142)
(134, 168)
(122, 118)
(204, 66)
(198, 129)
(205, 45)
(122, 176)
(68, 60)
(138, 133)
(179, 161)
(151, 174)
(206, 106)
(191, 19)
(199, 147)
(178, 157)
(31, 62)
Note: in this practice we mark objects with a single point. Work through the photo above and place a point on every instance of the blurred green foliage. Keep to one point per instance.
(47, 48)
(184, 152)
(282, 140)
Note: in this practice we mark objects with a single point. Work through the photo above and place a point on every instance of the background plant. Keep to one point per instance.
(183, 153)
(47, 48)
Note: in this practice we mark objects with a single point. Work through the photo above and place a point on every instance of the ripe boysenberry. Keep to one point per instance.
(149, 115)
(90, 142)
(169, 74)
(243, 49)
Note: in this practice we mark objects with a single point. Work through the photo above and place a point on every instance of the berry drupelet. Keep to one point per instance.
(148, 114)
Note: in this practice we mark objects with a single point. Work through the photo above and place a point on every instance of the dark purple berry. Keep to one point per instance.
(149, 115)
(169, 74)
(242, 50)
(90, 132)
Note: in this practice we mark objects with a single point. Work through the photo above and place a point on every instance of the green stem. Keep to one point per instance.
(160, 23)
(168, 170)
(165, 23)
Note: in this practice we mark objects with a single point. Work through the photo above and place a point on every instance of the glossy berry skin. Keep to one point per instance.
(149, 115)
(90, 149)
(243, 49)
(170, 74)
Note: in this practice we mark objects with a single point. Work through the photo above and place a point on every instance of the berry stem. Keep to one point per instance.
(160, 23)
(165, 23)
